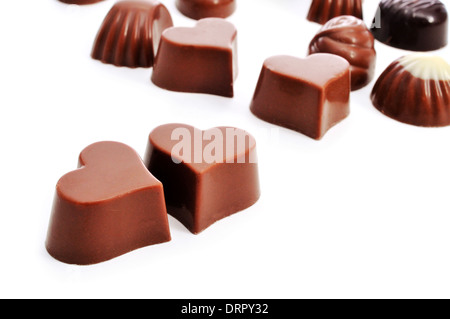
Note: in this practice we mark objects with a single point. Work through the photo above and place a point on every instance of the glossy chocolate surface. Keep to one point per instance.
(200, 9)
(110, 206)
(130, 33)
(416, 25)
(200, 190)
(306, 95)
(322, 11)
(202, 59)
(81, 2)
(415, 89)
(348, 37)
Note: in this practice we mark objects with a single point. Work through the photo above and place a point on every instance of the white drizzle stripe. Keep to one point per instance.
(426, 67)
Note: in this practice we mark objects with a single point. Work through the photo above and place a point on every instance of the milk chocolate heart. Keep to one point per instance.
(306, 95)
(110, 206)
(130, 33)
(202, 59)
(207, 175)
(199, 9)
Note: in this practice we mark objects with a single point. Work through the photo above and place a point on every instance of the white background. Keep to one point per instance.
(364, 213)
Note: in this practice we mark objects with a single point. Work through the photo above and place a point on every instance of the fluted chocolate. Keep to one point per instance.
(202, 59)
(108, 207)
(207, 175)
(348, 37)
(80, 2)
(322, 11)
(130, 33)
(415, 89)
(306, 95)
(200, 9)
(416, 25)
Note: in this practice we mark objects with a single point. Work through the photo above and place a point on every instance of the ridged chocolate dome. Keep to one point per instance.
(415, 89)
(322, 11)
(131, 32)
(416, 25)
(348, 37)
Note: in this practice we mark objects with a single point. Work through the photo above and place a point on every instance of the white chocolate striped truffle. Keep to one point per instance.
(415, 89)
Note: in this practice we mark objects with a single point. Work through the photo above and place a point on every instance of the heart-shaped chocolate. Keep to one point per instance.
(207, 175)
(199, 9)
(110, 206)
(202, 59)
(306, 95)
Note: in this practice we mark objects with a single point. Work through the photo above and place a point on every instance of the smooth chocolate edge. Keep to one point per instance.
(414, 48)
(154, 156)
(197, 12)
(265, 72)
(366, 75)
(54, 249)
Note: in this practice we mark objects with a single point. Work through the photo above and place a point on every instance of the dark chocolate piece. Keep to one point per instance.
(415, 89)
(306, 95)
(80, 2)
(207, 175)
(416, 25)
(200, 9)
(130, 33)
(322, 11)
(110, 206)
(202, 59)
(348, 37)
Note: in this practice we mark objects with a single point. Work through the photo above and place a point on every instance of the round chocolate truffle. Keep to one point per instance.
(348, 37)
(415, 25)
(415, 89)
(130, 33)
(200, 9)
(322, 11)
